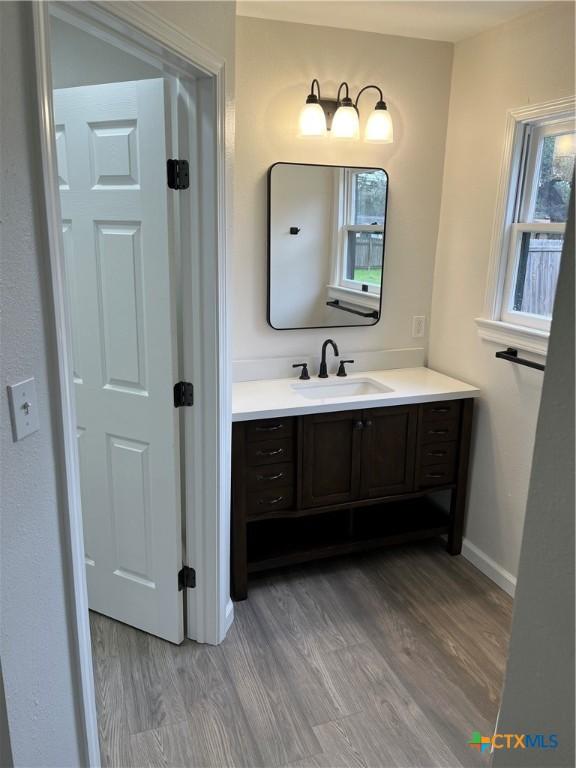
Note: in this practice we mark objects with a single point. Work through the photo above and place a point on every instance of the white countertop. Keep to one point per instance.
(265, 399)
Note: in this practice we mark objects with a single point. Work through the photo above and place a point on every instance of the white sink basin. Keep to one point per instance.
(314, 390)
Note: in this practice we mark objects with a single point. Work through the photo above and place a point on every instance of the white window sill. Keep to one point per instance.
(517, 336)
(361, 298)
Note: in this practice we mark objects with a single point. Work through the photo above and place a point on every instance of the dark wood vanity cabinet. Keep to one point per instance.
(306, 487)
(331, 458)
(388, 449)
(351, 455)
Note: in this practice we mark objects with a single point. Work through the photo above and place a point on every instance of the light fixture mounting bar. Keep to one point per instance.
(329, 106)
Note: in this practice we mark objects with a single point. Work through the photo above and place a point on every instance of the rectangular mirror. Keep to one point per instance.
(326, 234)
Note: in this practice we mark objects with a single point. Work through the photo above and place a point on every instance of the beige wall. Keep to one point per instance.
(275, 64)
(529, 60)
(209, 23)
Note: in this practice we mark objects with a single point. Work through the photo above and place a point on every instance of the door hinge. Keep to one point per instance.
(186, 578)
(183, 394)
(178, 172)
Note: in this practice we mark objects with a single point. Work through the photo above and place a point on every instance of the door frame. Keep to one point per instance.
(209, 608)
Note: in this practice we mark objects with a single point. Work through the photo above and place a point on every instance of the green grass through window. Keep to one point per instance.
(368, 276)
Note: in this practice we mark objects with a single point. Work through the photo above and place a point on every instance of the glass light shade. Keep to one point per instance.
(312, 120)
(345, 123)
(379, 128)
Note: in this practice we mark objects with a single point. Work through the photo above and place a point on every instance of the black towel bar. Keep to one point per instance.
(511, 355)
(336, 305)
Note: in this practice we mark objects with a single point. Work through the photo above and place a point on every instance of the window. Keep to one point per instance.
(529, 224)
(362, 205)
(535, 230)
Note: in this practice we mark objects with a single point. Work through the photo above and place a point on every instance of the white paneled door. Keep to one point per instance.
(112, 145)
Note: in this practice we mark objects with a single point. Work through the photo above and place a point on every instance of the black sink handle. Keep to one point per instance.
(342, 369)
(304, 375)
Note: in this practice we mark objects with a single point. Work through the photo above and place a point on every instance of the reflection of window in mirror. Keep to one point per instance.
(359, 230)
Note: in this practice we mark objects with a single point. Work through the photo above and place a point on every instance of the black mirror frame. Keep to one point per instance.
(269, 245)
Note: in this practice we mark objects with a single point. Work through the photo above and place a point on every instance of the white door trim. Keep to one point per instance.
(69, 466)
(211, 607)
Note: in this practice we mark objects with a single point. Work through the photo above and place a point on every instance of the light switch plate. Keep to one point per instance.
(23, 408)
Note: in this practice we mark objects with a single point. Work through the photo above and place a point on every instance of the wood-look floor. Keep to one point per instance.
(385, 659)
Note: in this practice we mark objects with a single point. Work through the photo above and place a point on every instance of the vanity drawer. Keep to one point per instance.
(273, 500)
(438, 453)
(269, 452)
(439, 431)
(435, 474)
(443, 411)
(263, 477)
(266, 429)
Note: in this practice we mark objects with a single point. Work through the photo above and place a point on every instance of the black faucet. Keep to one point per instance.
(323, 372)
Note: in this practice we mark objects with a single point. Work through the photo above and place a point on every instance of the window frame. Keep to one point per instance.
(345, 203)
(524, 126)
(526, 195)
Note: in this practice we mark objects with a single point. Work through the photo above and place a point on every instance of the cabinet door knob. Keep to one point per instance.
(272, 428)
(368, 423)
(276, 500)
(358, 425)
(440, 410)
(438, 432)
(273, 452)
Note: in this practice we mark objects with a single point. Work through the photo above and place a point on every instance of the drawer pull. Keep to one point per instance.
(437, 453)
(276, 500)
(435, 474)
(437, 431)
(272, 452)
(277, 476)
(273, 428)
(440, 410)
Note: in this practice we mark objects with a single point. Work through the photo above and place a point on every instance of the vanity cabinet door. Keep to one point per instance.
(331, 456)
(388, 451)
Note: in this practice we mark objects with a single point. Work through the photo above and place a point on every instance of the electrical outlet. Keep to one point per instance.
(418, 326)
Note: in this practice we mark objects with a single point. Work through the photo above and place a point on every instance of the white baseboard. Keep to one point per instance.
(489, 567)
(229, 617)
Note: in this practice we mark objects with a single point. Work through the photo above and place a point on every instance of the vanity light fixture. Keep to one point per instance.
(340, 116)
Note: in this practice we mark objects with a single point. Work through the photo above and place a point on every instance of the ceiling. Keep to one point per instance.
(432, 20)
